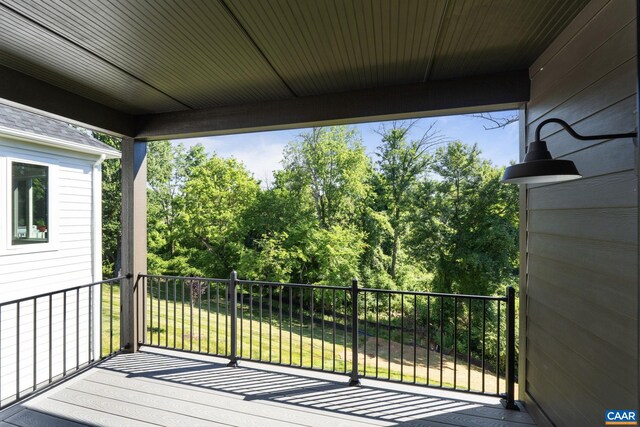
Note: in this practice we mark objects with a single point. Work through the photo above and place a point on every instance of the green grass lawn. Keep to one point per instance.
(110, 324)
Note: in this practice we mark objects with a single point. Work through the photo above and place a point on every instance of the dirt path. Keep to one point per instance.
(407, 365)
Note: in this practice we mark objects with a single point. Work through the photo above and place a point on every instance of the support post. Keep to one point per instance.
(355, 381)
(509, 401)
(233, 300)
(134, 241)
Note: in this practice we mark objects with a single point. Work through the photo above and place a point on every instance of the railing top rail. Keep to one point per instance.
(434, 294)
(293, 285)
(204, 279)
(17, 301)
(341, 288)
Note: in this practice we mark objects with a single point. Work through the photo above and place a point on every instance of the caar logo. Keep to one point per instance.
(613, 417)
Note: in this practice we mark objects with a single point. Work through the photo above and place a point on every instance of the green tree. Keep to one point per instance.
(303, 228)
(280, 228)
(218, 195)
(401, 163)
(111, 209)
(329, 166)
(465, 226)
(168, 168)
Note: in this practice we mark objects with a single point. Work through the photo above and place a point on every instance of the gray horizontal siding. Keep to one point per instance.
(581, 279)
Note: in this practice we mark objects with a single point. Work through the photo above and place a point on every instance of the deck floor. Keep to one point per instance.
(155, 387)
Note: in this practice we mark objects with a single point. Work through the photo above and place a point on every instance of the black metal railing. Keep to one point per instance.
(47, 337)
(459, 342)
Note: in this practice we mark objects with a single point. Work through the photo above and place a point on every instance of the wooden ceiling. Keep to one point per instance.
(130, 60)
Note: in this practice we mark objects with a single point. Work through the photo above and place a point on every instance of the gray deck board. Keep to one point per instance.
(156, 387)
(30, 418)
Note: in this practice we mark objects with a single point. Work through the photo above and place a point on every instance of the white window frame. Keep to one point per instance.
(6, 227)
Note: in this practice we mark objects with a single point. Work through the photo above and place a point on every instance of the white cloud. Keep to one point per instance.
(261, 152)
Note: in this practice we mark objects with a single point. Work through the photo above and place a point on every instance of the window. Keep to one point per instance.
(30, 203)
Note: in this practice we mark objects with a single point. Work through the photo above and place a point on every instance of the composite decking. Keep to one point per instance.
(155, 387)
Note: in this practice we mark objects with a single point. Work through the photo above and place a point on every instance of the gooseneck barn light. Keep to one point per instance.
(538, 165)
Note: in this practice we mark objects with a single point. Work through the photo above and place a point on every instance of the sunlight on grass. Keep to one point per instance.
(110, 325)
(282, 338)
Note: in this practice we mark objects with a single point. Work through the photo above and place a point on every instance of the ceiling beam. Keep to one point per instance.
(27, 92)
(436, 98)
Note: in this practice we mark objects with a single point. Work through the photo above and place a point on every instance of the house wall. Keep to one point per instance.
(68, 260)
(579, 289)
(60, 325)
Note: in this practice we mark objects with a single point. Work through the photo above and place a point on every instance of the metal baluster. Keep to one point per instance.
(469, 348)
(270, 321)
(389, 340)
(51, 334)
(241, 319)
(401, 337)
(77, 329)
(364, 344)
(455, 341)
(261, 290)
(200, 285)
(208, 317)
(312, 322)
(64, 333)
(191, 290)
(90, 344)
(150, 310)
(484, 337)
(290, 325)
(345, 332)
(1, 351)
(428, 337)
(35, 338)
(166, 313)
(182, 283)
(509, 402)
(218, 319)
(18, 350)
(159, 308)
(335, 320)
(355, 381)
(322, 340)
(415, 335)
(280, 290)
(175, 314)
(498, 353)
(250, 321)
(441, 335)
(233, 299)
(301, 321)
(377, 328)
(226, 320)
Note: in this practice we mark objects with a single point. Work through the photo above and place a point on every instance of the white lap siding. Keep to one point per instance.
(67, 261)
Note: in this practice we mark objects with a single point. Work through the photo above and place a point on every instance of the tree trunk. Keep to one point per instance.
(396, 242)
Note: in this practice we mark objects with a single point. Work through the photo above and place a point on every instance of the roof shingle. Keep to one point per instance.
(21, 120)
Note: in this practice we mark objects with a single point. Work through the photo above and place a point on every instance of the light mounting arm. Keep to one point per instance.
(538, 165)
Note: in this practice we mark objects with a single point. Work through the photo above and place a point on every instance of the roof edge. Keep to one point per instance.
(111, 153)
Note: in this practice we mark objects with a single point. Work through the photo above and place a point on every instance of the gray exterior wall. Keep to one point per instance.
(579, 285)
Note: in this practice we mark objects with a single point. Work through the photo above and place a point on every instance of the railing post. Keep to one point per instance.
(509, 401)
(355, 381)
(233, 299)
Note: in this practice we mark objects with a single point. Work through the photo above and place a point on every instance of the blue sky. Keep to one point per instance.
(261, 152)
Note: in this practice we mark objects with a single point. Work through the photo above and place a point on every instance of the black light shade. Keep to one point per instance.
(541, 171)
(539, 167)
